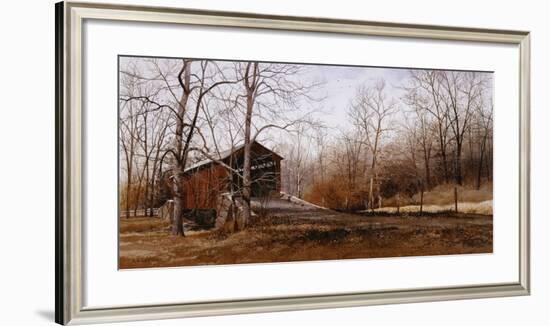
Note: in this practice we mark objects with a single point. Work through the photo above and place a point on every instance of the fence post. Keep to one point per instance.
(421, 199)
(398, 202)
(456, 200)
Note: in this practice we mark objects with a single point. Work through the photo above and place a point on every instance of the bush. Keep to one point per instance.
(334, 194)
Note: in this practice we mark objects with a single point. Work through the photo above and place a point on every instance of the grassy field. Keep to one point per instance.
(147, 242)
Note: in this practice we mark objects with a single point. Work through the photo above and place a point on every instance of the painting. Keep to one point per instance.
(232, 162)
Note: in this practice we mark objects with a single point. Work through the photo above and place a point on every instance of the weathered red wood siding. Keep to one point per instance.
(202, 188)
(204, 184)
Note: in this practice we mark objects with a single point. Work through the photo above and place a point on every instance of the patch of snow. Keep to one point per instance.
(484, 208)
(296, 200)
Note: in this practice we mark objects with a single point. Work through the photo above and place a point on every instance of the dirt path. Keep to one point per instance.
(280, 208)
(277, 207)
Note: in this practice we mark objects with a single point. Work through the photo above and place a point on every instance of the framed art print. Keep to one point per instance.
(215, 163)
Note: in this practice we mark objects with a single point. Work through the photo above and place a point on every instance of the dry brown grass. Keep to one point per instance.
(146, 242)
(444, 194)
(142, 224)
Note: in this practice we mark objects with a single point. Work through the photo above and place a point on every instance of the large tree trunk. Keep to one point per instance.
(179, 162)
(247, 179)
(251, 82)
(177, 219)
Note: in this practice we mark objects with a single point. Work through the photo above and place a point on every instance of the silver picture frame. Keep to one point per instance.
(69, 78)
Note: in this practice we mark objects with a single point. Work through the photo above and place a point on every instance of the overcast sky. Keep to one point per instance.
(341, 83)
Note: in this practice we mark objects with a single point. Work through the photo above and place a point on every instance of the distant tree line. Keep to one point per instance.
(438, 131)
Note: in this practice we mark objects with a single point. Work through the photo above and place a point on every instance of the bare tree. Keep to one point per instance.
(152, 142)
(272, 93)
(484, 112)
(321, 143)
(128, 144)
(353, 149)
(298, 162)
(370, 112)
(128, 131)
(425, 91)
(420, 130)
(179, 88)
(461, 94)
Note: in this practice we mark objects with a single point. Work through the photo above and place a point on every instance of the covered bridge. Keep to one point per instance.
(207, 179)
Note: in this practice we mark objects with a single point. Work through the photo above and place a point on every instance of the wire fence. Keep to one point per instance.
(140, 212)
